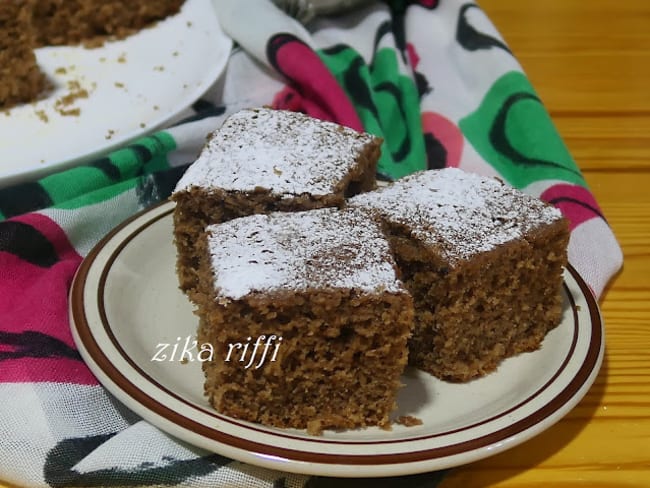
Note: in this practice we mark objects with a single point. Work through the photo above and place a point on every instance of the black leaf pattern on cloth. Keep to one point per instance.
(27, 243)
(471, 38)
(422, 84)
(280, 483)
(436, 152)
(357, 87)
(398, 28)
(405, 146)
(274, 45)
(106, 166)
(158, 186)
(400, 5)
(22, 198)
(141, 152)
(204, 109)
(335, 49)
(33, 344)
(499, 137)
(58, 469)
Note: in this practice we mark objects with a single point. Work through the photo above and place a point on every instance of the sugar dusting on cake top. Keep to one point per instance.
(284, 152)
(319, 249)
(459, 213)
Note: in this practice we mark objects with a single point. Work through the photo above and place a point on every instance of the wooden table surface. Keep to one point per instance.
(589, 60)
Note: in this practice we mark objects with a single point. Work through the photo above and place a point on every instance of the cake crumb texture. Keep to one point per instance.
(59, 22)
(408, 421)
(20, 78)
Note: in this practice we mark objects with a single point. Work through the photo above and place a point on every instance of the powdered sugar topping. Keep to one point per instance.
(284, 152)
(460, 213)
(327, 248)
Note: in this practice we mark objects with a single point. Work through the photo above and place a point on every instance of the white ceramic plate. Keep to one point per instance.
(125, 301)
(134, 86)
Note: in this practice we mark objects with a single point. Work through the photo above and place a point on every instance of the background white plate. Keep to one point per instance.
(134, 86)
(125, 301)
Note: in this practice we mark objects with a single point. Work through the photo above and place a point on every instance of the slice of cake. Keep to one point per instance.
(263, 160)
(483, 263)
(20, 78)
(317, 292)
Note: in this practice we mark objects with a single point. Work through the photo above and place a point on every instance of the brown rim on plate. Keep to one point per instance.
(151, 405)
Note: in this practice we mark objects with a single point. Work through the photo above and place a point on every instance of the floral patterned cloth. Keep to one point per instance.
(432, 77)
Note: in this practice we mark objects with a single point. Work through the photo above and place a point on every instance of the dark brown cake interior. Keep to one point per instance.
(471, 314)
(338, 366)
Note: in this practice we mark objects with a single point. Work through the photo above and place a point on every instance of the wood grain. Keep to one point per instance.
(590, 63)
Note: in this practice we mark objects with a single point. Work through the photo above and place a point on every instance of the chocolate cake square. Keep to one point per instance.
(320, 287)
(263, 160)
(483, 262)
